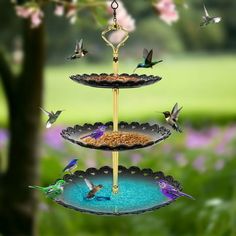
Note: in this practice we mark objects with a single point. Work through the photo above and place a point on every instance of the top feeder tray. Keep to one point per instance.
(138, 191)
(111, 81)
(130, 136)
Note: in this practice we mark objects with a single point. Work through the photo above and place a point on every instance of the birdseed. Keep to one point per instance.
(110, 78)
(114, 139)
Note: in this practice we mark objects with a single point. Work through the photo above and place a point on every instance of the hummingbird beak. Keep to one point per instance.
(135, 69)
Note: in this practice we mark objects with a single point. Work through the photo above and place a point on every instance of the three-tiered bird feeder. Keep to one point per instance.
(129, 190)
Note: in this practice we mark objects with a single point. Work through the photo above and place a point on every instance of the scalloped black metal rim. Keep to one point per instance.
(151, 128)
(143, 80)
(133, 170)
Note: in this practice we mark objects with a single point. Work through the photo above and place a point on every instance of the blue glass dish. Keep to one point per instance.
(138, 191)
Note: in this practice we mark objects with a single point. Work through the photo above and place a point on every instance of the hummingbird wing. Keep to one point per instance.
(145, 53)
(45, 112)
(205, 10)
(77, 47)
(89, 184)
(81, 45)
(148, 59)
(58, 113)
(175, 112)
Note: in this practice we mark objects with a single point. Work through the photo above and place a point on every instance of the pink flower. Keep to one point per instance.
(199, 163)
(123, 19)
(136, 158)
(23, 11)
(33, 12)
(36, 18)
(59, 10)
(167, 11)
(181, 160)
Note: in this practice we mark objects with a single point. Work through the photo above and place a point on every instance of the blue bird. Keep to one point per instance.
(71, 166)
(96, 134)
(148, 62)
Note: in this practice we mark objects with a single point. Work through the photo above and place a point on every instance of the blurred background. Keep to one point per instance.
(198, 72)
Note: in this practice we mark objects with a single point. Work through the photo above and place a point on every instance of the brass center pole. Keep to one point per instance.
(115, 155)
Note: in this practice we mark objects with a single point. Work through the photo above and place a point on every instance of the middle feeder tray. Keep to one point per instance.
(115, 81)
(130, 136)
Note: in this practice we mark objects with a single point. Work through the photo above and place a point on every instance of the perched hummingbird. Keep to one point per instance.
(96, 134)
(172, 117)
(93, 189)
(170, 191)
(147, 55)
(79, 51)
(71, 166)
(52, 116)
(52, 191)
(208, 19)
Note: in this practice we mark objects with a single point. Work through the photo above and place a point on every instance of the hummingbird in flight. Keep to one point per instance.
(52, 116)
(147, 63)
(170, 191)
(96, 134)
(71, 166)
(172, 117)
(79, 51)
(92, 188)
(52, 191)
(209, 19)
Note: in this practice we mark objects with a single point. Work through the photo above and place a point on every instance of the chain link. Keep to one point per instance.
(114, 6)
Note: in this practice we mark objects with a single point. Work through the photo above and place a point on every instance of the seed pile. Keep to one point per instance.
(111, 78)
(114, 139)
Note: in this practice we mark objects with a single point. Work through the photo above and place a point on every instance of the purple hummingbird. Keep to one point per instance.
(96, 134)
(170, 191)
(71, 165)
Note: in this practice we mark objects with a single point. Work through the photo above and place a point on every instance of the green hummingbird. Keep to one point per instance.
(52, 191)
(148, 63)
(52, 116)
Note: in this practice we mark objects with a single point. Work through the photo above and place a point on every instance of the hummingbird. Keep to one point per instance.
(79, 51)
(52, 116)
(209, 19)
(172, 117)
(170, 191)
(96, 134)
(93, 189)
(52, 191)
(148, 63)
(71, 166)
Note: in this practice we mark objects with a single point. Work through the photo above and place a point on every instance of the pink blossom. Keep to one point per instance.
(201, 139)
(23, 11)
(199, 163)
(36, 18)
(167, 11)
(181, 160)
(124, 19)
(136, 158)
(59, 10)
(34, 13)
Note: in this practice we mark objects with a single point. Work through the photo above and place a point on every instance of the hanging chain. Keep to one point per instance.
(114, 6)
